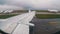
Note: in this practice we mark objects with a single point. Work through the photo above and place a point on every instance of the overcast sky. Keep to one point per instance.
(32, 4)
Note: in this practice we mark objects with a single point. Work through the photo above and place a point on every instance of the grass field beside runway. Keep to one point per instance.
(47, 16)
(41, 10)
(7, 16)
(41, 16)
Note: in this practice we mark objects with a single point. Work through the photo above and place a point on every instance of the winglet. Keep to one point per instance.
(29, 10)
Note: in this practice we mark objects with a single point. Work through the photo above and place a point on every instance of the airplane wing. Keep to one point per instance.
(17, 22)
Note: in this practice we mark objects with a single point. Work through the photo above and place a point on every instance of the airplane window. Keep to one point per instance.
(2, 32)
(31, 28)
(57, 32)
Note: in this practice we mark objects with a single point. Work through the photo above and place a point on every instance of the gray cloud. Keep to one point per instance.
(33, 4)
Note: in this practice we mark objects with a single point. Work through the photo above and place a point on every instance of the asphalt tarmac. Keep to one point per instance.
(44, 26)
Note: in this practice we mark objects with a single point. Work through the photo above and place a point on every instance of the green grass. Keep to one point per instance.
(47, 16)
(7, 16)
(41, 10)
